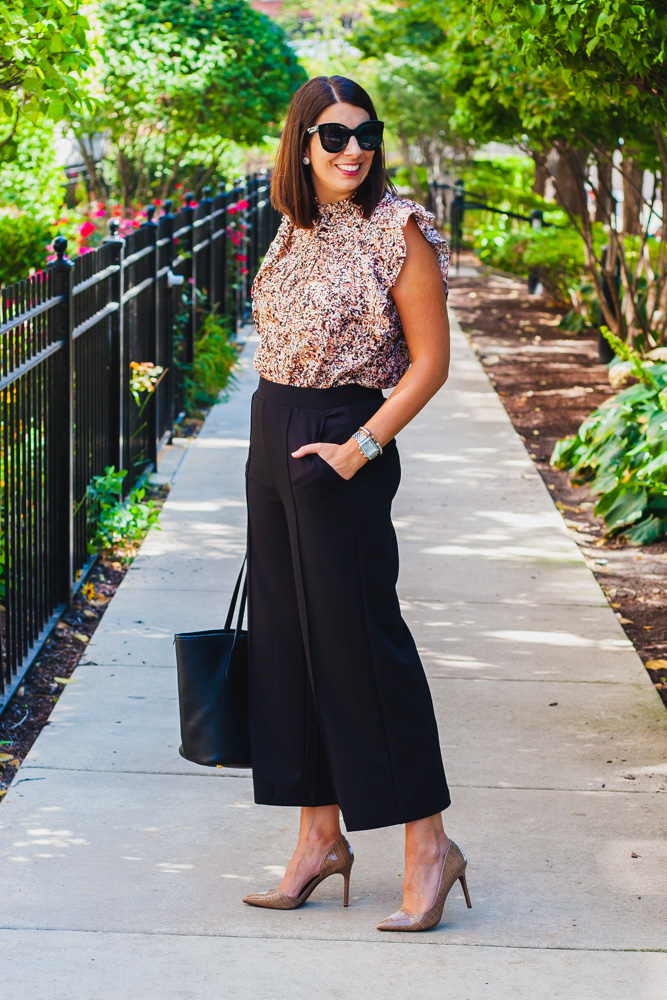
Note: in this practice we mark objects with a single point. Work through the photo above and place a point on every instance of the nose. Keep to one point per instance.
(353, 148)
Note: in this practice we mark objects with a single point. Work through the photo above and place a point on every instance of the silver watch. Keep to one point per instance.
(367, 446)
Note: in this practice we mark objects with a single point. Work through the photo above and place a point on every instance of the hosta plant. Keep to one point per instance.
(620, 452)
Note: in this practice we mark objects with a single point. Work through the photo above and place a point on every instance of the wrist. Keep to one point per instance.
(352, 454)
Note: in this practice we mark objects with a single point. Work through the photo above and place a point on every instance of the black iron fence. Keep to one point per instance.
(461, 201)
(68, 337)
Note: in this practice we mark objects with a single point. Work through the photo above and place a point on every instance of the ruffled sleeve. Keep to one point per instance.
(390, 217)
(277, 246)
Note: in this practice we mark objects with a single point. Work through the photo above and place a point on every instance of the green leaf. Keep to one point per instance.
(646, 532)
(628, 507)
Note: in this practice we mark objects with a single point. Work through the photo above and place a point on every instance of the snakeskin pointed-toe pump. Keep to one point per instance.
(453, 869)
(338, 860)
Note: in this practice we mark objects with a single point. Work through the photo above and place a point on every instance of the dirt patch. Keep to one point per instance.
(549, 382)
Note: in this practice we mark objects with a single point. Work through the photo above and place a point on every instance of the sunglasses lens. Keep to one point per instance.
(334, 138)
(370, 136)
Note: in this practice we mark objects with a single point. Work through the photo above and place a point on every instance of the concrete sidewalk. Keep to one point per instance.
(124, 866)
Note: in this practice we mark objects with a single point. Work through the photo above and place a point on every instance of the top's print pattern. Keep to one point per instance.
(321, 299)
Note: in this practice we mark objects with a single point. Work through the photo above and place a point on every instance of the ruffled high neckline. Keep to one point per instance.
(341, 209)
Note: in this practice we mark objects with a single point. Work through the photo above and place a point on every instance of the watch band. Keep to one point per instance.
(372, 436)
(367, 446)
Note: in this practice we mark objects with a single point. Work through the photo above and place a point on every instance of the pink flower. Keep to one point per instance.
(100, 213)
(236, 239)
(86, 229)
(85, 250)
(50, 257)
(242, 204)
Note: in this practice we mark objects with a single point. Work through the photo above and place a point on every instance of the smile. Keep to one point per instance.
(350, 170)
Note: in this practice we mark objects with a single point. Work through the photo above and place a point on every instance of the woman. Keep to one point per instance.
(350, 299)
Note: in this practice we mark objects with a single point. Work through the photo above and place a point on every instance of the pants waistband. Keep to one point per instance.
(316, 399)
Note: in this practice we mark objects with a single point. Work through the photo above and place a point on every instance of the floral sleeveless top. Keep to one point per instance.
(321, 299)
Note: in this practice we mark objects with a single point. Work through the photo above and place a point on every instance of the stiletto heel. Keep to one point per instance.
(338, 860)
(464, 886)
(346, 889)
(453, 869)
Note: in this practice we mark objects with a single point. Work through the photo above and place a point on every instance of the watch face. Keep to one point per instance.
(369, 448)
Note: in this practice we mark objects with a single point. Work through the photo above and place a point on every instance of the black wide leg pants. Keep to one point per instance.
(340, 709)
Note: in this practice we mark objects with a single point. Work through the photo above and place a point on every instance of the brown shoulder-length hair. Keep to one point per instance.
(292, 191)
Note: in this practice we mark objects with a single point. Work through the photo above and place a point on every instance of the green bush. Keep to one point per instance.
(555, 255)
(216, 354)
(503, 182)
(117, 525)
(23, 242)
(620, 452)
(215, 363)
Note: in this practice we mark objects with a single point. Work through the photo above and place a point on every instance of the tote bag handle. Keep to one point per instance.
(242, 602)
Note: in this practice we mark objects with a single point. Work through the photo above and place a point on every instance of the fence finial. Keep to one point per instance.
(113, 226)
(60, 246)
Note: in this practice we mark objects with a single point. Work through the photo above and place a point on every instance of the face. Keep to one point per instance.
(337, 175)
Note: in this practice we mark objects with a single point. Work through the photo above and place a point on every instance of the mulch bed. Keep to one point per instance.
(549, 381)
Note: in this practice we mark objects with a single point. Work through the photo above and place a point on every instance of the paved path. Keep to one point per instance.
(123, 866)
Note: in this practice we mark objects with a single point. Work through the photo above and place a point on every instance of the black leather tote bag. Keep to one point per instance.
(213, 690)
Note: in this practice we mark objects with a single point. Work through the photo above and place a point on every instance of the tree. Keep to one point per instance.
(604, 62)
(588, 80)
(44, 50)
(179, 83)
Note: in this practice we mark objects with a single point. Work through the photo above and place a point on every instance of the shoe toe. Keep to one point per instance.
(399, 921)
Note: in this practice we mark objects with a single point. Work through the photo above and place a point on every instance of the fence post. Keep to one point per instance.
(206, 231)
(222, 249)
(166, 355)
(534, 286)
(152, 409)
(605, 351)
(62, 269)
(191, 277)
(118, 349)
(456, 213)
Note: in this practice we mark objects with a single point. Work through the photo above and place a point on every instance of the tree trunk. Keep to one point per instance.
(570, 169)
(541, 173)
(603, 199)
(633, 177)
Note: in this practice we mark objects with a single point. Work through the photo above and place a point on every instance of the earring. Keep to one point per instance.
(306, 160)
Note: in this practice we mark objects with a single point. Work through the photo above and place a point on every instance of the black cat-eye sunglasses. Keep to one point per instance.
(335, 137)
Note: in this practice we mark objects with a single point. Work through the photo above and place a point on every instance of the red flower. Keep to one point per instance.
(231, 209)
(157, 201)
(86, 229)
(244, 270)
(236, 239)
(242, 204)
(241, 256)
(177, 186)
